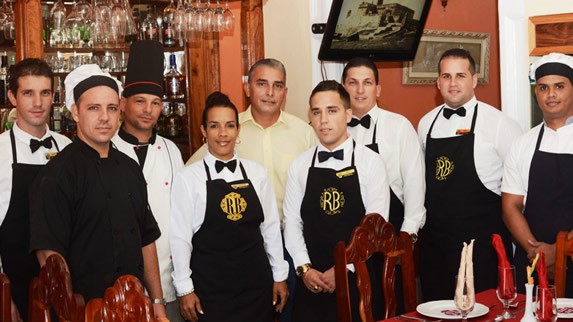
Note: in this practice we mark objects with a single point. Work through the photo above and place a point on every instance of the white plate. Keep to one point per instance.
(446, 309)
(565, 308)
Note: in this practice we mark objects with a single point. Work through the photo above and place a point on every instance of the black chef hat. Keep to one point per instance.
(144, 69)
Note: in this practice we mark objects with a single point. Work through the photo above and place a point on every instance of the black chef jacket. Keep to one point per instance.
(93, 211)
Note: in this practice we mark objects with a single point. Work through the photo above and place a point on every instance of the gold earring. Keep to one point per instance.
(238, 140)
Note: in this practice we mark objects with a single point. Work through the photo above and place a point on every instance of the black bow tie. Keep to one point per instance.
(448, 112)
(220, 165)
(325, 155)
(365, 121)
(36, 144)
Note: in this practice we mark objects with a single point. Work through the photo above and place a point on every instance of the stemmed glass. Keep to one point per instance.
(9, 24)
(198, 20)
(228, 18)
(506, 291)
(218, 19)
(208, 17)
(464, 300)
(545, 304)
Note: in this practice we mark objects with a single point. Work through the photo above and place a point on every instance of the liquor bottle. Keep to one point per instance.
(149, 28)
(4, 80)
(173, 122)
(56, 119)
(169, 32)
(174, 80)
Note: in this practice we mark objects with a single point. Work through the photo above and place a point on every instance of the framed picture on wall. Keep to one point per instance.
(423, 69)
(377, 29)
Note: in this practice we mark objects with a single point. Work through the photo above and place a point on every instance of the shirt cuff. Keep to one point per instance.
(184, 286)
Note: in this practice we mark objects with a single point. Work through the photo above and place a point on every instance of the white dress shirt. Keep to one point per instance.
(400, 149)
(25, 156)
(188, 204)
(162, 162)
(494, 134)
(374, 190)
(518, 162)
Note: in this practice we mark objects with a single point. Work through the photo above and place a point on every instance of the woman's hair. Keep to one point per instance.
(218, 99)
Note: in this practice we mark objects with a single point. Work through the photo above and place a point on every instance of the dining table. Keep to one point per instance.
(487, 298)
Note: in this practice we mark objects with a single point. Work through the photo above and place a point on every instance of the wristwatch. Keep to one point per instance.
(414, 237)
(159, 301)
(302, 269)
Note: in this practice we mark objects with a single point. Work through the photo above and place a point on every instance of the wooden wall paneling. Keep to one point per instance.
(252, 35)
(28, 18)
(203, 78)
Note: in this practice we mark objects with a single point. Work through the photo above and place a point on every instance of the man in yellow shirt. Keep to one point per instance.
(269, 135)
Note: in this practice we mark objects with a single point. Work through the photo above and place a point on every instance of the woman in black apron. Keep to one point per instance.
(459, 208)
(231, 262)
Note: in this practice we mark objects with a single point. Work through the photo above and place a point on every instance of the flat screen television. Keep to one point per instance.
(382, 30)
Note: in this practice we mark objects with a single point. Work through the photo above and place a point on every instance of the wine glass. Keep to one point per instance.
(506, 291)
(228, 18)
(545, 304)
(464, 300)
(218, 18)
(208, 17)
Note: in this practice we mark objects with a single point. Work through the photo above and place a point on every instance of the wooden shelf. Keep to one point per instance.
(100, 50)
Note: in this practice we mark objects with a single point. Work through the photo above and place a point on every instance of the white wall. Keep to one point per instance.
(287, 38)
(514, 51)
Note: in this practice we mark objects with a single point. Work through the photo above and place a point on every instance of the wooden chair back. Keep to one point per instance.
(53, 289)
(563, 249)
(5, 298)
(124, 301)
(374, 235)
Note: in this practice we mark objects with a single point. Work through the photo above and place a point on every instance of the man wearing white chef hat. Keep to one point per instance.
(537, 185)
(90, 203)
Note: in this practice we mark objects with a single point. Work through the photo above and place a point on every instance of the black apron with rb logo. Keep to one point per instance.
(230, 268)
(331, 208)
(459, 208)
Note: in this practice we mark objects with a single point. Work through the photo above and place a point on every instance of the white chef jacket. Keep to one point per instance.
(188, 206)
(494, 134)
(400, 149)
(374, 190)
(162, 162)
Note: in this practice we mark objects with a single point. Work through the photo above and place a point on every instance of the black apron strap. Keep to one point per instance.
(207, 171)
(539, 138)
(474, 118)
(13, 143)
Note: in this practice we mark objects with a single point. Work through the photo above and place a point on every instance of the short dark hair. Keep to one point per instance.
(218, 99)
(360, 62)
(29, 67)
(458, 53)
(332, 86)
(269, 62)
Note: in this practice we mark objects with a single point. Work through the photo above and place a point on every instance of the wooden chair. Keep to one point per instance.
(563, 249)
(124, 301)
(5, 298)
(53, 289)
(374, 235)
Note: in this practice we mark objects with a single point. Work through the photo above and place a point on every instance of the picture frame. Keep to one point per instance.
(374, 29)
(423, 69)
(550, 33)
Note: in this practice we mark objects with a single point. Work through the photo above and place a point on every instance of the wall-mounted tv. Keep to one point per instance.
(382, 30)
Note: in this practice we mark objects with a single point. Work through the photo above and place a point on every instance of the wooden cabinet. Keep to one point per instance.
(202, 54)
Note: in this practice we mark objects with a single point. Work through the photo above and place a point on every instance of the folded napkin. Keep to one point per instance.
(505, 277)
(545, 294)
(465, 276)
